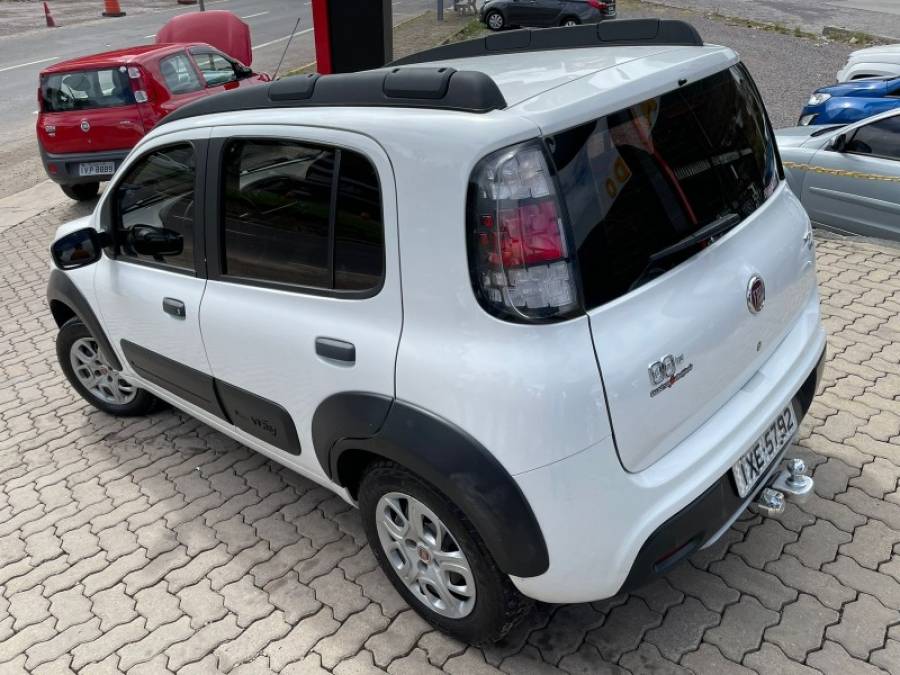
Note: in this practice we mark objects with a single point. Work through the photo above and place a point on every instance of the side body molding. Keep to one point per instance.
(445, 456)
(60, 289)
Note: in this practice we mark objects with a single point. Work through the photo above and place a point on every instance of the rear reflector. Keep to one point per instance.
(518, 254)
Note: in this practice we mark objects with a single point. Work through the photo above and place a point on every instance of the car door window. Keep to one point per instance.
(879, 139)
(215, 68)
(158, 192)
(288, 222)
(179, 75)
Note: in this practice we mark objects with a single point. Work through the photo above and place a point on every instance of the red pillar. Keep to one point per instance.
(322, 36)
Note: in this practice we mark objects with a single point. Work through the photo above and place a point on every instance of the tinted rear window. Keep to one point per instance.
(83, 90)
(643, 178)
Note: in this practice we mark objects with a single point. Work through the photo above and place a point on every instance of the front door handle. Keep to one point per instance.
(336, 350)
(174, 307)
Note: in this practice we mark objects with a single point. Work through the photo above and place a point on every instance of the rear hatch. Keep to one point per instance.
(674, 211)
(84, 111)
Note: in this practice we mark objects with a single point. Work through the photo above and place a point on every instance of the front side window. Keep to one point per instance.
(879, 139)
(216, 69)
(179, 74)
(300, 214)
(641, 179)
(84, 90)
(155, 199)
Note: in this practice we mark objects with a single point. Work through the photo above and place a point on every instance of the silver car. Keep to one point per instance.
(848, 177)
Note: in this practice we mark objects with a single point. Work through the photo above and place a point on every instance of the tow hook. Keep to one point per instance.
(792, 483)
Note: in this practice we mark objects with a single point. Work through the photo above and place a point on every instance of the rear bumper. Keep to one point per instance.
(606, 528)
(63, 168)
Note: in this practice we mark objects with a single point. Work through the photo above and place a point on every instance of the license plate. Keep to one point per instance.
(756, 460)
(96, 169)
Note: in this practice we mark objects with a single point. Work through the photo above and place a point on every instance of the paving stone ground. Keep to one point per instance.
(158, 545)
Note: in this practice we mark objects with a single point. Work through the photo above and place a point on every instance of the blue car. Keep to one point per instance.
(849, 102)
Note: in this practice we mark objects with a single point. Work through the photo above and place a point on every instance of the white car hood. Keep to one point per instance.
(888, 53)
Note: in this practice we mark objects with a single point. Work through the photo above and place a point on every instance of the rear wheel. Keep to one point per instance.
(94, 378)
(81, 191)
(495, 20)
(570, 21)
(434, 558)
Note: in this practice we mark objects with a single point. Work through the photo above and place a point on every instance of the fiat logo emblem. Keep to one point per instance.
(85, 126)
(756, 294)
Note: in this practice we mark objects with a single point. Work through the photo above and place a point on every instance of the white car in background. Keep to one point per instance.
(877, 61)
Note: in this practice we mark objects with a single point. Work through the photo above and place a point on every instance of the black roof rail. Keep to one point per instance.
(618, 33)
(441, 88)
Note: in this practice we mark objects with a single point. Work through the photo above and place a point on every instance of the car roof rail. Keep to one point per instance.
(618, 33)
(440, 88)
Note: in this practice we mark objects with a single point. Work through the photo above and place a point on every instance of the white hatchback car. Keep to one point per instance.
(541, 304)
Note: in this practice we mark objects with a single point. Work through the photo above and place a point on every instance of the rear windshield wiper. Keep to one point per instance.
(715, 228)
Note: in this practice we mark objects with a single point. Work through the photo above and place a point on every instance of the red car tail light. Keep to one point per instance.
(519, 256)
(596, 4)
(138, 86)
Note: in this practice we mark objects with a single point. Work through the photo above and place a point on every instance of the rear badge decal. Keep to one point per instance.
(666, 372)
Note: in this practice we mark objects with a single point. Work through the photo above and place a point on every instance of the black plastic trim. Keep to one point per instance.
(61, 289)
(448, 458)
(348, 415)
(619, 33)
(337, 350)
(191, 385)
(439, 88)
(259, 417)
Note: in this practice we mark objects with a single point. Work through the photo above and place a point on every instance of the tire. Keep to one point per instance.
(81, 192)
(488, 607)
(75, 344)
(569, 21)
(495, 21)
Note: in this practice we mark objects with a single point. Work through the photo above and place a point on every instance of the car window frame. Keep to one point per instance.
(214, 209)
(109, 216)
(191, 63)
(194, 52)
(872, 155)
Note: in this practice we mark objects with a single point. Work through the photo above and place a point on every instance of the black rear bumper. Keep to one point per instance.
(701, 520)
(66, 165)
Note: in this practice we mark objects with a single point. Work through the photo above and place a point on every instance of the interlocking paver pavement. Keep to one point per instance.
(158, 545)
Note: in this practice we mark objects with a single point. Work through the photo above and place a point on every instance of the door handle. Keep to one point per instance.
(337, 350)
(174, 307)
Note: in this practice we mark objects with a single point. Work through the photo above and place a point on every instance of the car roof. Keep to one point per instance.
(116, 57)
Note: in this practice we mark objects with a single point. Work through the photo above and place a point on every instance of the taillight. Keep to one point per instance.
(597, 4)
(519, 256)
(137, 84)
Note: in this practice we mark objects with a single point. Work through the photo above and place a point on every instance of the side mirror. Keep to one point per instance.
(79, 248)
(839, 144)
(157, 242)
(242, 71)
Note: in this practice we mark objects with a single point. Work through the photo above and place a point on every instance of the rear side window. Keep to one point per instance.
(879, 139)
(643, 178)
(158, 192)
(179, 74)
(86, 89)
(301, 215)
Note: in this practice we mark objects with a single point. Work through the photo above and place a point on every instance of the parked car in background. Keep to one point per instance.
(878, 61)
(500, 14)
(851, 101)
(847, 177)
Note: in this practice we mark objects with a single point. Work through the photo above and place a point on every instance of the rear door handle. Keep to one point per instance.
(174, 307)
(337, 350)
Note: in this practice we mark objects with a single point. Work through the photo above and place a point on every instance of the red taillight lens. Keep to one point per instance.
(597, 4)
(519, 256)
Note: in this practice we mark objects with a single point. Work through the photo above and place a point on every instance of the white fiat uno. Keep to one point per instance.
(541, 304)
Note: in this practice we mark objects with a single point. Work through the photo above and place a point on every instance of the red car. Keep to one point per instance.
(94, 109)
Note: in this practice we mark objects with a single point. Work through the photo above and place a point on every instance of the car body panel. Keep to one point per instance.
(853, 101)
(877, 61)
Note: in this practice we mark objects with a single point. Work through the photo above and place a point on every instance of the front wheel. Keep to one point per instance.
(434, 558)
(570, 21)
(495, 20)
(81, 192)
(94, 378)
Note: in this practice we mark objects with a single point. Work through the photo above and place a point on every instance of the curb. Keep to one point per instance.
(845, 34)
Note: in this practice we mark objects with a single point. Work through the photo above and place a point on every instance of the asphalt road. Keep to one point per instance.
(23, 56)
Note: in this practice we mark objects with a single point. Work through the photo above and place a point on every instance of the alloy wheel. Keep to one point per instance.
(97, 375)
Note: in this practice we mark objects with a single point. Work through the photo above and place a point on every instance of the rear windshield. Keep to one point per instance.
(643, 178)
(85, 89)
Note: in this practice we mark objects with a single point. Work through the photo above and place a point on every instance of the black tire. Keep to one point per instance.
(73, 330)
(496, 18)
(498, 604)
(81, 192)
(569, 21)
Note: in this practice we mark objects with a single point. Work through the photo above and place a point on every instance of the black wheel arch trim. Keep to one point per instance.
(444, 455)
(60, 289)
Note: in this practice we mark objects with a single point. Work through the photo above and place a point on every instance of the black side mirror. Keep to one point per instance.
(242, 71)
(157, 242)
(839, 144)
(79, 248)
